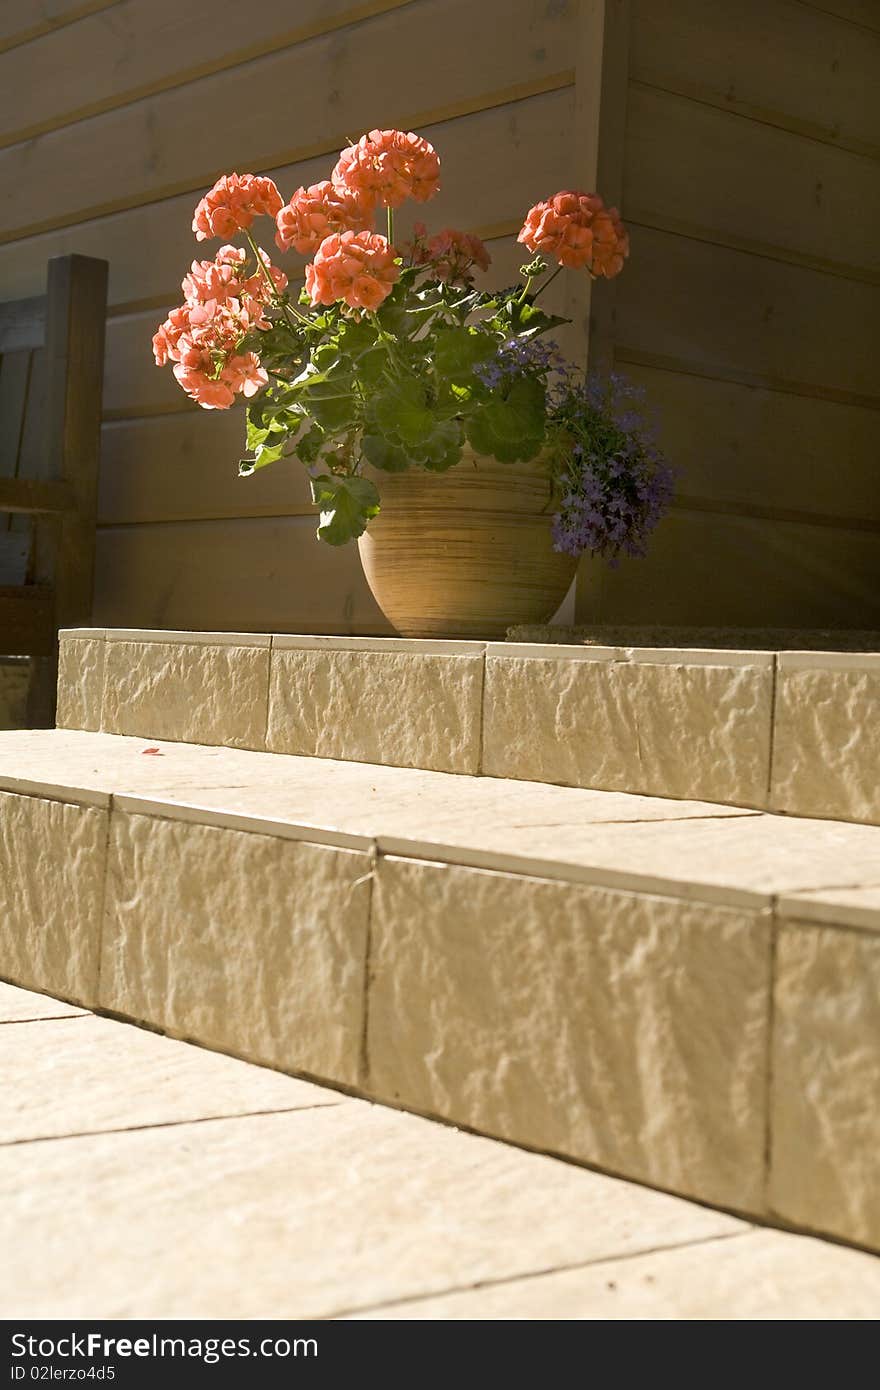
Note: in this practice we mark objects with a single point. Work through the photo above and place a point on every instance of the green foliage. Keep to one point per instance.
(511, 428)
(346, 504)
(401, 388)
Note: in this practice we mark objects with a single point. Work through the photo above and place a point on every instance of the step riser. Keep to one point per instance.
(794, 732)
(658, 1038)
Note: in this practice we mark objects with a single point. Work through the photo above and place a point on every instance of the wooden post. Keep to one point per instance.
(64, 549)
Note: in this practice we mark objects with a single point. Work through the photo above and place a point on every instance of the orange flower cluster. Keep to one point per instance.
(331, 221)
(357, 267)
(316, 212)
(578, 230)
(233, 203)
(451, 255)
(203, 336)
(389, 166)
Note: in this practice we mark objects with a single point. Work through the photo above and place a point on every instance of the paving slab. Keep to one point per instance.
(308, 1214)
(364, 797)
(755, 1276)
(24, 1006)
(87, 1074)
(341, 1208)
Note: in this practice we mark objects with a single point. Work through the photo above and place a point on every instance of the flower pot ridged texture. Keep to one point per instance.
(465, 553)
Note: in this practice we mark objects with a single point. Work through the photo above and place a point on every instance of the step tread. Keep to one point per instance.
(644, 844)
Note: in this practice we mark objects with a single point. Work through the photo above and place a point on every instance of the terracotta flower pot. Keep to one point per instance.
(466, 553)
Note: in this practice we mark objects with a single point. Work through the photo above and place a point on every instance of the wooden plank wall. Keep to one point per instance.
(749, 309)
(115, 122)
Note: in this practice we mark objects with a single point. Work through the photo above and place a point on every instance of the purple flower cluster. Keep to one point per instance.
(614, 482)
(519, 357)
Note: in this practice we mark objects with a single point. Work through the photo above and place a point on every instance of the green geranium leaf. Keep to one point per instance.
(442, 449)
(381, 453)
(402, 414)
(526, 320)
(357, 338)
(346, 504)
(325, 356)
(371, 365)
(510, 429)
(264, 454)
(329, 399)
(309, 446)
(458, 350)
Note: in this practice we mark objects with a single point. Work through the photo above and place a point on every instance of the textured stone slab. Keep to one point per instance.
(842, 907)
(409, 709)
(80, 682)
(196, 692)
(628, 1032)
(826, 757)
(552, 720)
(754, 1276)
(825, 1117)
(52, 859)
(86, 1074)
(620, 720)
(302, 1215)
(244, 942)
(23, 1006)
(702, 725)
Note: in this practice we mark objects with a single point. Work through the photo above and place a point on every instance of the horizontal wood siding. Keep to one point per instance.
(748, 311)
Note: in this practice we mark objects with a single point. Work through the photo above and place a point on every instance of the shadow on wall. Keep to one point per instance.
(14, 675)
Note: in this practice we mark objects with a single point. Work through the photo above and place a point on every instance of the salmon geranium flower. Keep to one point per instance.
(578, 230)
(358, 268)
(233, 203)
(451, 255)
(389, 166)
(316, 212)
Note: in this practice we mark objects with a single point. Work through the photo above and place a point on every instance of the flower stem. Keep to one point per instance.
(261, 264)
(526, 287)
(390, 221)
(293, 315)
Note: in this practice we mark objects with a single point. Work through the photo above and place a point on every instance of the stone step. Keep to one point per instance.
(120, 1145)
(677, 992)
(790, 731)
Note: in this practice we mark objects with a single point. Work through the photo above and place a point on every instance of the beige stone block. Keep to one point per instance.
(84, 1074)
(194, 692)
(623, 1030)
(248, 943)
(24, 1006)
(702, 723)
(409, 709)
(754, 1276)
(825, 1118)
(566, 721)
(302, 1215)
(665, 723)
(52, 858)
(80, 682)
(826, 754)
